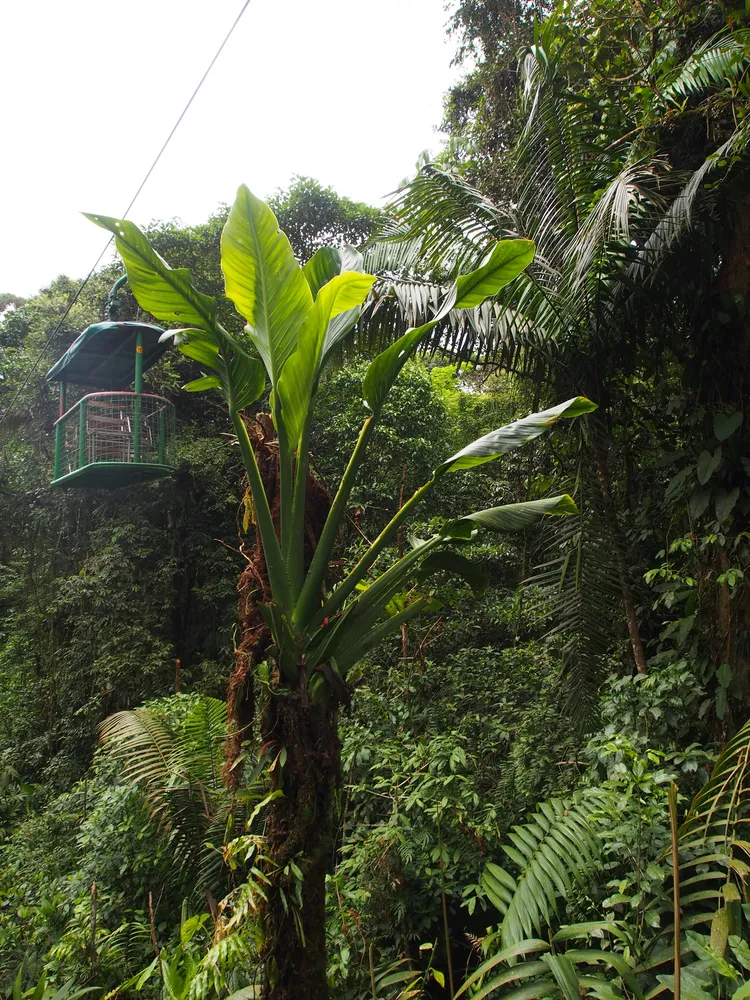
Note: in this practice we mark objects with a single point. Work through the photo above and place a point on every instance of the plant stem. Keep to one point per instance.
(285, 480)
(295, 555)
(676, 886)
(271, 550)
(446, 929)
(340, 594)
(372, 974)
(309, 596)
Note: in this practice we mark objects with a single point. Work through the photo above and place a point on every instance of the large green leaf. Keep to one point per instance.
(203, 384)
(507, 260)
(245, 379)
(505, 439)
(527, 947)
(264, 280)
(565, 975)
(198, 345)
(385, 368)
(511, 517)
(338, 298)
(539, 989)
(240, 377)
(453, 562)
(166, 292)
(327, 262)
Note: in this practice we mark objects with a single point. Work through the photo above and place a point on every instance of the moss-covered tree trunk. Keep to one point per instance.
(301, 739)
(301, 841)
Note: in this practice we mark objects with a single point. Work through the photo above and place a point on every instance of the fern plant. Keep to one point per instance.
(580, 594)
(564, 840)
(179, 769)
(556, 848)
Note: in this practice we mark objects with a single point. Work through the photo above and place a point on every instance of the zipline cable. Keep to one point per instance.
(133, 200)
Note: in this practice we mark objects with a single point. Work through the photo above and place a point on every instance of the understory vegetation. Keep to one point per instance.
(341, 709)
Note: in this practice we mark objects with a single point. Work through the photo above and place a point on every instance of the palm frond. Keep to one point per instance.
(719, 812)
(624, 208)
(438, 224)
(557, 169)
(143, 742)
(491, 333)
(695, 193)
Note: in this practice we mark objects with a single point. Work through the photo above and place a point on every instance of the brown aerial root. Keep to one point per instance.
(254, 588)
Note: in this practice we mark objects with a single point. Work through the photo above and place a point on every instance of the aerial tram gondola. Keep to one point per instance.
(113, 435)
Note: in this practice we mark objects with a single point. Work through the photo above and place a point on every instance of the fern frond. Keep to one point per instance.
(580, 592)
(199, 749)
(180, 773)
(721, 60)
(558, 846)
(143, 742)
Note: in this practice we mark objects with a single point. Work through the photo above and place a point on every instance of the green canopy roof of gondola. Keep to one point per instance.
(103, 356)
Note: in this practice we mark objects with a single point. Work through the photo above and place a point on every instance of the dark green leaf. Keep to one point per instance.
(385, 368)
(708, 464)
(452, 562)
(724, 503)
(565, 975)
(725, 424)
(699, 501)
(166, 292)
(327, 262)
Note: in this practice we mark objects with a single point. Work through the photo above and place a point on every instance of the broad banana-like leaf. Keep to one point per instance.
(198, 345)
(327, 262)
(337, 299)
(527, 947)
(386, 367)
(507, 260)
(240, 377)
(245, 379)
(166, 292)
(511, 517)
(453, 562)
(204, 383)
(505, 439)
(351, 654)
(264, 280)
(565, 975)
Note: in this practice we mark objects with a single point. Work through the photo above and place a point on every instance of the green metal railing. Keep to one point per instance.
(116, 429)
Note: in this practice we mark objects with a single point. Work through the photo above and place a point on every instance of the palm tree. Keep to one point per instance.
(616, 228)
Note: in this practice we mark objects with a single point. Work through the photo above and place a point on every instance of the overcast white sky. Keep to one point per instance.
(346, 91)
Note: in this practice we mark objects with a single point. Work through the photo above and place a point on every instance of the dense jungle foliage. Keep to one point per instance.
(534, 770)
